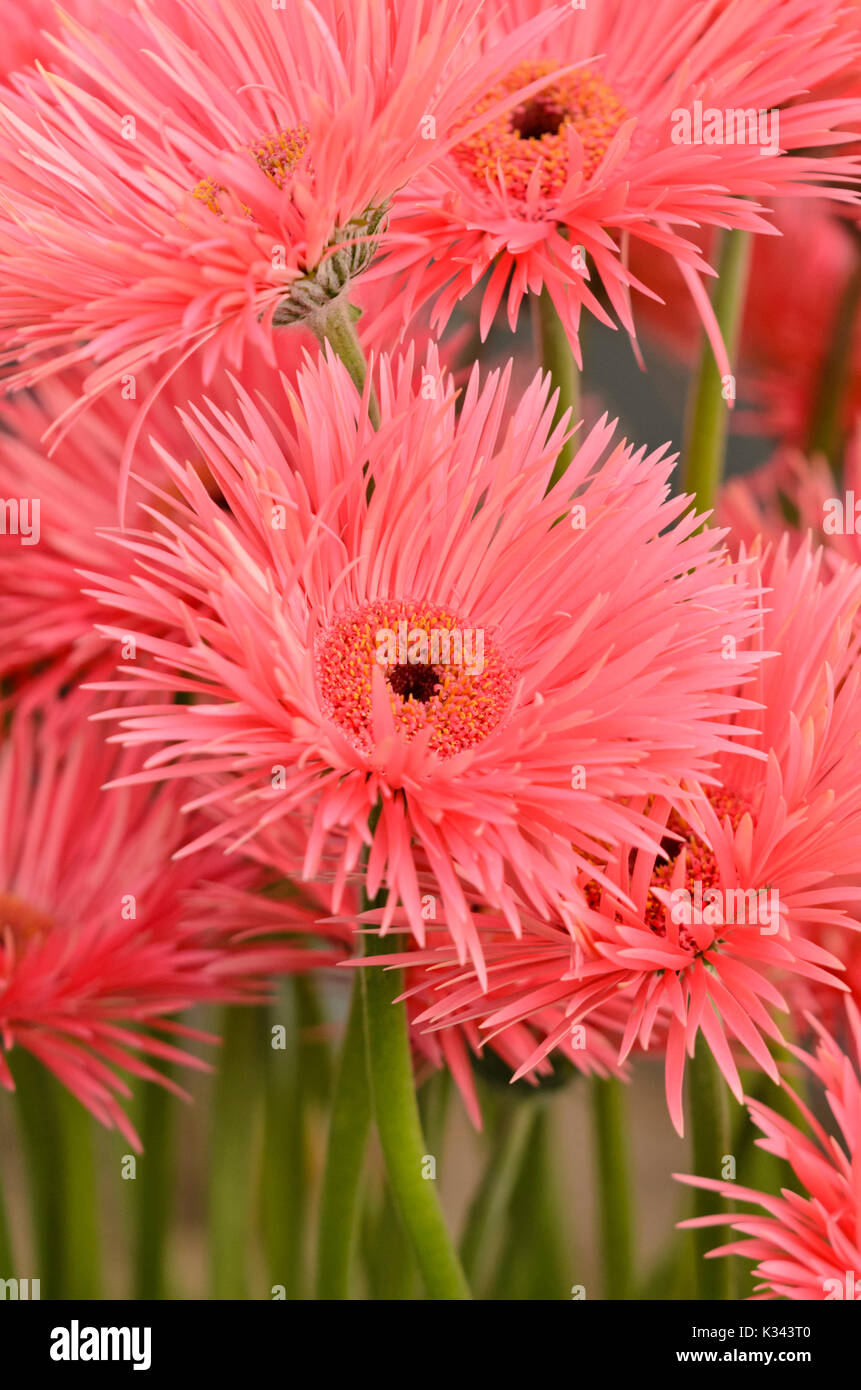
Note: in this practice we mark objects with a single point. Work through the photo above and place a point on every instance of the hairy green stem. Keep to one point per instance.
(336, 324)
(707, 416)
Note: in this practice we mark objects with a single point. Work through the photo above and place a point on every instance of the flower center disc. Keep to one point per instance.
(536, 130)
(701, 866)
(440, 674)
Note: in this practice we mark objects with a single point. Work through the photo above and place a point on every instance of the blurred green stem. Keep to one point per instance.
(389, 1260)
(535, 1265)
(610, 1131)
(710, 1144)
(8, 1267)
(826, 423)
(231, 1168)
(492, 1198)
(707, 417)
(434, 1098)
(295, 1078)
(80, 1211)
(349, 1125)
(153, 1189)
(41, 1140)
(555, 355)
(57, 1138)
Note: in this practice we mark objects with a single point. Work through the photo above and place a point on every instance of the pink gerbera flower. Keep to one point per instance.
(697, 941)
(617, 150)
(103, 939)
(393, 617)
(200, 170)
(805, 1241)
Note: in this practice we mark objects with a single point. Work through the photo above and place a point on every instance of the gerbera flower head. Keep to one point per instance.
(199, 170)
(611, 150)
(393, 617)
(103, 937)
(806, 1240)
(696, 940)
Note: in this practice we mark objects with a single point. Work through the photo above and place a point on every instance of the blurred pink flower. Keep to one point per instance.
(68, 501)
(103, 937)
(793, 496)
(796, 288)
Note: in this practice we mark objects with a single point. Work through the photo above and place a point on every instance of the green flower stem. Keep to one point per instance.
(534, 1265)
(399, 1128)
(707, 419)
(336, 324)
(612, 1161)
(826, 425)
(231, 1188)
(296, 1080)
(434, 1098)
(80, 1209)
(349, 1126)
(710, 1142)
(311, 1019)
(8, 1266)
(492, 1198)
(555, 356)
(153, 1187)
(41, 1140)
(390, 1264)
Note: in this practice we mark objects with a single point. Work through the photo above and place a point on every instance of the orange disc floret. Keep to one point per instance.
(440, 674)
(536, 131)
